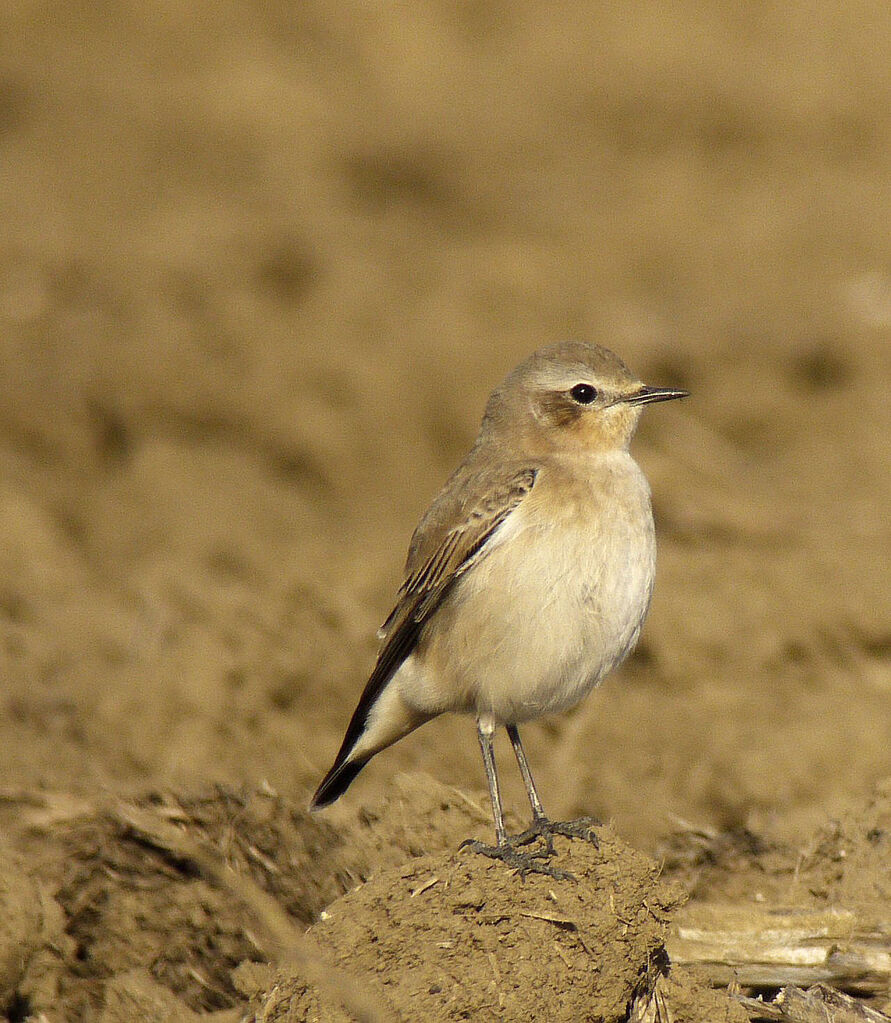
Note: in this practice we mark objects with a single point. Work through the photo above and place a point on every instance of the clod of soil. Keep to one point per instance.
(457, 936)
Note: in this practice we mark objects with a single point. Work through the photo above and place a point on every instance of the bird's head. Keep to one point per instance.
(570, 397)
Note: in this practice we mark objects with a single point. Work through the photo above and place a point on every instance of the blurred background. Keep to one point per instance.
(261, 264)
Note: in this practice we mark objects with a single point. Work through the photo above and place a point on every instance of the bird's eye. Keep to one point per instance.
(583, 394)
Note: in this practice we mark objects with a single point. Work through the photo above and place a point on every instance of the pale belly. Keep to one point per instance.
(557, 603)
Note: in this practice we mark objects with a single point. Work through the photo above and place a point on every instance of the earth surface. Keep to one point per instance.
(260, 265)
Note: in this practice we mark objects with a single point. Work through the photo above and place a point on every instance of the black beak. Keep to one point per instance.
(648, 394)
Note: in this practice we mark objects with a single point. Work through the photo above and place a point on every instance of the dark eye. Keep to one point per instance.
(583, 394)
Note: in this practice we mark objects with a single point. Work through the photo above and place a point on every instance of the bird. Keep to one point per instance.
(527, 580)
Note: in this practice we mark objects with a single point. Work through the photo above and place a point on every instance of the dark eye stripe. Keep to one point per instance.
(583, 394)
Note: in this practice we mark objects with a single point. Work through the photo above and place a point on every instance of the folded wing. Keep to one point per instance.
(440, 554)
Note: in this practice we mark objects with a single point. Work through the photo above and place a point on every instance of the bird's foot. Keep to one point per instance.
(522, 862)
(541, 827)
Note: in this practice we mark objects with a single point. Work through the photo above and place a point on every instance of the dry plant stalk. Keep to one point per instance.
(847, 947)
(651, 1005)
(819, 1004)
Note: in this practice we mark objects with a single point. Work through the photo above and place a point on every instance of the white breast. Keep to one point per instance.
(556, 603)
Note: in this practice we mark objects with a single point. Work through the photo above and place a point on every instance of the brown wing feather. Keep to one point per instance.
(440, 554)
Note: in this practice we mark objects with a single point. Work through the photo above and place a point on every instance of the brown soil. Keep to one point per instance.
(451, 939)
(259, 267)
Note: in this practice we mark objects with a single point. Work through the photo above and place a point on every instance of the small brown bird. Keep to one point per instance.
(528, 579)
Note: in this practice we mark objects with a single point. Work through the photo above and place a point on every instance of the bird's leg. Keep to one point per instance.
(486, 735)
(505, 849)
(537, 809)
(541, 826)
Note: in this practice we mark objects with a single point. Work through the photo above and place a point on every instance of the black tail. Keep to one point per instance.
(344, 770)
(400, 644)
(337, 781)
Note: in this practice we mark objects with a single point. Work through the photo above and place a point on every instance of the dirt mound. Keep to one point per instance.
(448, 938)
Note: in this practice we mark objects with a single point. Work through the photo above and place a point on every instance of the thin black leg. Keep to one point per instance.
(514, 735)
(485, 737)
(541, 826)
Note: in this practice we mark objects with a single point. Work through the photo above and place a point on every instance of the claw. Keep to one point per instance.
(581, 828)
(522, 862)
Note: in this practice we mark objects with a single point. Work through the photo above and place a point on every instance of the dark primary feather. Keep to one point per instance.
(451, 553)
